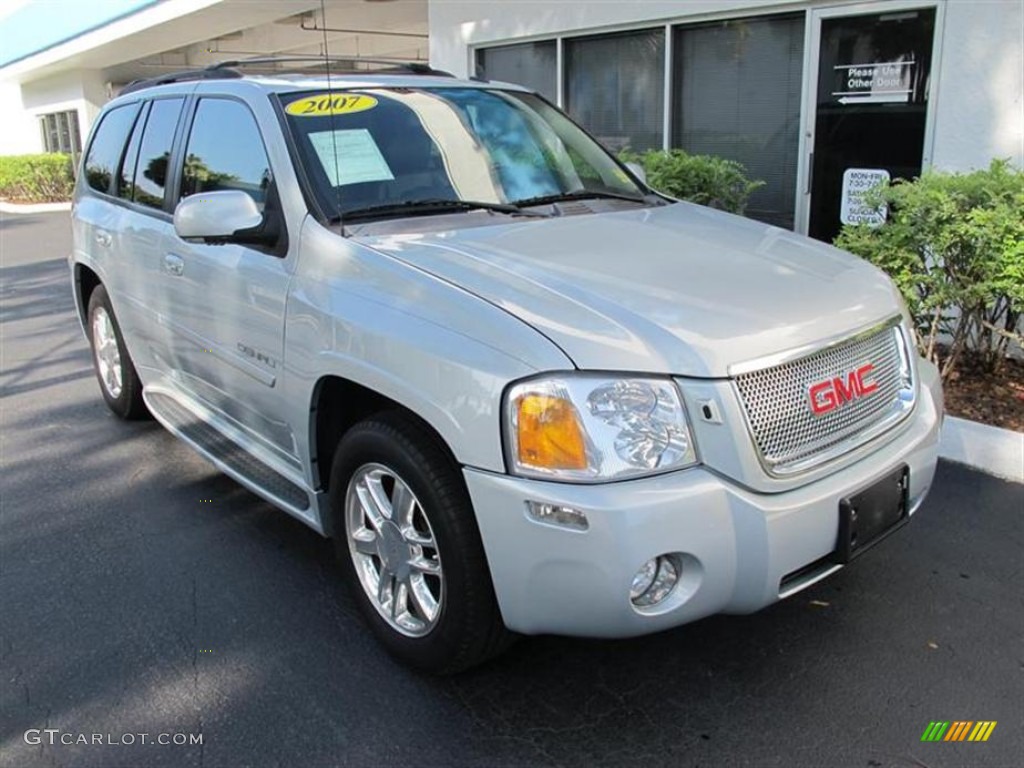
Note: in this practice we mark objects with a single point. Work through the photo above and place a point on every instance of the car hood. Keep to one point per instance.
(678, 289)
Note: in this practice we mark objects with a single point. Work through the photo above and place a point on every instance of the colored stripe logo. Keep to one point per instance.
(958, 730)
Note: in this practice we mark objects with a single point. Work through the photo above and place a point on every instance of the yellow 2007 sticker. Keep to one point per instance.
(331, 104)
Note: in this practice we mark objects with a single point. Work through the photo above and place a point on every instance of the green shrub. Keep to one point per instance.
(954, 244)
(44, 178)
(703, 179)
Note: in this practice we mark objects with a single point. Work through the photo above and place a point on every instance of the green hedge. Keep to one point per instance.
(46, 178)
(954, 244)
(703, 179)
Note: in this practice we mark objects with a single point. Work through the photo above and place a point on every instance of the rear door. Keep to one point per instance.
(146, 224)
(227, 302)
(97, 218)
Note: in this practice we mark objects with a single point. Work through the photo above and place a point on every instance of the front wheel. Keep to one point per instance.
(407, 539)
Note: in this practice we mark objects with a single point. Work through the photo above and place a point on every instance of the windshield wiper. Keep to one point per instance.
(582, 194)
(427, 207)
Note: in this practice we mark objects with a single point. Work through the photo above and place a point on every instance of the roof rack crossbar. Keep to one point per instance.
(228, 70)
(206, 73)
(414, 67)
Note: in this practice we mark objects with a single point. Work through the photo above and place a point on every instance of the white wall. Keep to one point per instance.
(980, 109)
(19, 131)
(83, 91)
(980, 77)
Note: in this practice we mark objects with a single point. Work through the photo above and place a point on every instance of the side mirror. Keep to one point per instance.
(638, 170)
(218, 217)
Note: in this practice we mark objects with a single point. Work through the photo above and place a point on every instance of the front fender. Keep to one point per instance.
(430, 346)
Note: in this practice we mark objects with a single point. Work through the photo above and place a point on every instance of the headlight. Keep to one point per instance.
(907, 354)
(590, 428)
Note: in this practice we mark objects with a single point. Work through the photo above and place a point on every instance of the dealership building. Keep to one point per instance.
(817, 99)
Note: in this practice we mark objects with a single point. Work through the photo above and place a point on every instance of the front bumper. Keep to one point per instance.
(741, 550)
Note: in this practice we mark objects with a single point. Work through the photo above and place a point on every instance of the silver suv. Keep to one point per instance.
(436, 321)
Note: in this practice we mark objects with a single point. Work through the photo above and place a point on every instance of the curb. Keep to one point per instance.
(20, 208)
(992, 450)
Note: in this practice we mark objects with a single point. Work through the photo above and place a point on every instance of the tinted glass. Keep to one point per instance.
(872, 107)
(107, 145)
(225, 151)
(736, 94)
(126, 179)
(533, 65)
(382, 146)
(615, 88)
(155, 152)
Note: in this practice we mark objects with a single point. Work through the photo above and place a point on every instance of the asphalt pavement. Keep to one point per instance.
(143, 592)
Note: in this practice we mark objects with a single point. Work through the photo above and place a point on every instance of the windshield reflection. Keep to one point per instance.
(403, 146)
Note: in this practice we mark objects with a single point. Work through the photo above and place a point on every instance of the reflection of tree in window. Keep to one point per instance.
(155, 152)
(225, 152)
(99, 177)
(200, 178)
(156, 172)
(107, 144)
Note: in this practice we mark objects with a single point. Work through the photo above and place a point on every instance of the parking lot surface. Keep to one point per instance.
(143, 592)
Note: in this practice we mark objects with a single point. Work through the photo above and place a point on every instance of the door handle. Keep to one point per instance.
(174, 265)
(103, 238)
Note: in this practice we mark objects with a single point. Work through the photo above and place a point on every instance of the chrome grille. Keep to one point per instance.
(789, 435)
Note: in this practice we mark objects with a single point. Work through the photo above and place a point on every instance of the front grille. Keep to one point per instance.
(789, 435)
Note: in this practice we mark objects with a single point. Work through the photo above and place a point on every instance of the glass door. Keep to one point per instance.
(870, 102)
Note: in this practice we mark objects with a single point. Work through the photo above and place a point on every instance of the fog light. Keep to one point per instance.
(643, 579)
(553, 514)
(654, 581)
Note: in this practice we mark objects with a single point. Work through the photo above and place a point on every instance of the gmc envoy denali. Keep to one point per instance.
(523, 392)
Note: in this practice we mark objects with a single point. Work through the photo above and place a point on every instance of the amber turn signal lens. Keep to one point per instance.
(549, 433)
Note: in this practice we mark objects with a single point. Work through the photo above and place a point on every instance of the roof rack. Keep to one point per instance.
(228, 70)
(207, 73)
(353, 62)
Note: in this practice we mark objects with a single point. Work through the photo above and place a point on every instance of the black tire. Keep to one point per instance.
(469, 629)
(128, 403)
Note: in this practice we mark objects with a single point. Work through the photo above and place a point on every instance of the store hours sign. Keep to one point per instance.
(857, 182)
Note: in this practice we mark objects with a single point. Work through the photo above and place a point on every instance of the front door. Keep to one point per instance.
(227, 302)
(870, 110)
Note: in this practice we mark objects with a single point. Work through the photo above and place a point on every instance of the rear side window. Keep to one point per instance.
(155, 152)
(225, 151)
(126, 179)
(107, 145)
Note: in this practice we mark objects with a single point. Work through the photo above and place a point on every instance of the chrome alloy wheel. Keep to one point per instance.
(393, 550)
(107, 352)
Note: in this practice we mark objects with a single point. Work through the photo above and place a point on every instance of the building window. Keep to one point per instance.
(614, 86)
(736, 94)
(534, 65)
(60, 132)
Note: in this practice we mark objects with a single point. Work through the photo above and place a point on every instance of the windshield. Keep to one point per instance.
(386, 148)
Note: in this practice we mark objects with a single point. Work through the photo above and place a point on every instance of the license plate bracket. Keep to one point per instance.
(867, 517)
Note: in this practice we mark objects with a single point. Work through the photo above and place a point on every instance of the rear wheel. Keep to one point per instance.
(407, 539)
(119, 383)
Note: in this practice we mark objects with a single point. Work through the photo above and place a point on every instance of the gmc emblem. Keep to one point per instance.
(828, 395)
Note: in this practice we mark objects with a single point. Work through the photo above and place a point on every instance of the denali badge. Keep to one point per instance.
(828, 395)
